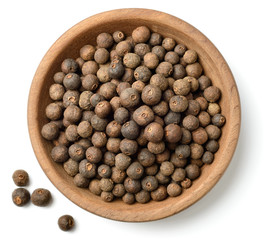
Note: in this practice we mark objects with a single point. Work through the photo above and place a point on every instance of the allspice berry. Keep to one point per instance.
(200, 136)
(66, 222)
(172, 133)
(20, 177)
(154, 132)
(141, 34)
(20, 197)
(212, 94)
(41, 197)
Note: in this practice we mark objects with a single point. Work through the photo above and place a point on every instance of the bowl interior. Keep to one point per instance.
(85, 32)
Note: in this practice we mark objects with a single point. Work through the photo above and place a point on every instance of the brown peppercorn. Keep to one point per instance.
(131, 60)
(204, 82)
(76, 152)
(167, 168)
(70, 97)
(142, 73)
(151, 60)
(128, 146)
(218, 120)
(58, 77)
(145, 157)
(207, 157)
(180, 49)
(101, 55)
(186, 183)
(159, 194)
(149, 183)
(193, 108)
(85, 143)
(103, 73)
(72, 113)
(93, 154)
(160, 81)
(143, 196)
(141, 34)
(81, 181)
(138, 85)
(115, 103)
(151, 94)
(94, 187)
(87, 52)
(178, 103)
(71, 167)
(84, 129)
(203, 103)
(107, 196)
(113, 129)
(192, 171)
(212, 146)
(106, 184)
(71, 133)
(20, 197)
(60, 154)
(116, 69)
(129, 98)
(103, 109)
(99, 139)
(128, 198)
(178, 162)
(165, 68)
(118, 36)
(159, 51)
(53, 111)
(213, 109)
(186, 136)
(190, 122)
(72, 81)
(162, 179)
(56, 91)
(213, 132)
(87, 169)
(161, 108)
(89, 67)
(152, 170)
(212, 94)
(178, 175)
(131, 185)
(135, 170)
(200, 136)
(143, 115)
(108, 90)
(178, 72)
(141, 140)
(84, 100)
(182, 151)
(80, 62)
(69, 66)
(122, 86)
(171, 57)
(168, 44)
(162, 157)
(190, 56)
(204, 118)
(156, 148)
(141, 49)
(66, 222)
(196, 151)
(118, 190)
(130, 130)
(172, 133)
(121, 115)
(154, 132)
(194, 70)
(123, 48)
(90, 82)
(41, 197)
(98, 123)
(174, 190)
(168, 94)
(104, 40)
(113, 145)
(155, 39)
(182, 87)
(118, 175)
(20, 177)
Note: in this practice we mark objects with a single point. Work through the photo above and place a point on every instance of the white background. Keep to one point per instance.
(240, 206)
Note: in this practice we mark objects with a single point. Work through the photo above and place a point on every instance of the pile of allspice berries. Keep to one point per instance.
(133, 117)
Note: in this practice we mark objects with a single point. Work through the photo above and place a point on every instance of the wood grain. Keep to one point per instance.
(85, 32)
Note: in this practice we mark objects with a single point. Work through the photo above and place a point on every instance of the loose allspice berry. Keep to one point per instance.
(41, 197)
(66, 222)
(134, 117)
(20, 177)
(20, 197)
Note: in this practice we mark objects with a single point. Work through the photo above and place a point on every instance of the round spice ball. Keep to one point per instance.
(190, 56)
(204, 119)
(72, 81)
(145, 157)
(178, 71)
(129, 98)
(103, 109)
(141, 49)
(142, 73)
(94, 187)
(121, 115)
(203, 103)
(104, 40)
(70, 97)
(123, 48)
(165, 68)
(84, 129)
(41, 197)
(71, 133)
(151, 60)
(60, 153)
(118, 36)
(156, 148)
(138, 85)
(213, 109)
(113, 145)
(113, 129)
(194, 70)
(119, 190)
(116, 69)
(213, 132)
(56, 91)
(149, 183)
(171, 57)
(178, 175)
(186, 183)
(58, 77)
(131, 60)
(154, 132)
(20, 177)
(192, 171)
(20, 197)
(159, 51)
(98, 123)
(190, 122)
(152, 170)
(141, 34)
(80, 181)
(212, 146)
(193, 108)
(172, 133)
(84, 100)
(200, 136)
(107, 196)
(204, 82)
(131, 185)
(196, 151)
(128, 146)
(50, 131)
(159, 194)
(151, 95)
(122, 161)
(178, 103)
(218, 120)
(181, 87)
(130, 130)
(76, 152)
(155, 39)
(128, 198)
(99, 139)
(135, 170)
(93, 154)
(160, 81)
(69, 66)
(212, 94)
(87, 52)
(90, 82)
(166, 168)
(118, 175)
(71, 167)
(66, 222)
(172, 117)
(143, 115)
(174, 190)
(142, 196)
(182, 151)
(73, 114)
(207, 157)
(106, 184)
(101, 55)
(168, 43)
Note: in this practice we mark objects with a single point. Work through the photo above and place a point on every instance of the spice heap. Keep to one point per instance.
(133, 117)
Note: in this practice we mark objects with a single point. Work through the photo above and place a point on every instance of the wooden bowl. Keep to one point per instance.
(85, 32)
